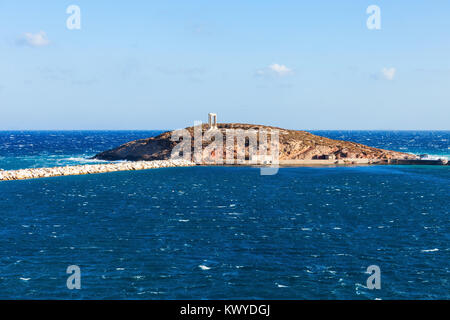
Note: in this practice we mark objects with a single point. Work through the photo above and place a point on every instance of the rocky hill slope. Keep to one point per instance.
(294, 145)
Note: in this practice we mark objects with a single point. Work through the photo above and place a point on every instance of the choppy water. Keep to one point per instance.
(36, 149)
(224, 232)
(434, 143)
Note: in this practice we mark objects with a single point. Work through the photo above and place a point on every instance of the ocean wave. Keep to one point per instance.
(430, 250)
(203, 267)
(434, 157)
(87, 160)
(81, 159)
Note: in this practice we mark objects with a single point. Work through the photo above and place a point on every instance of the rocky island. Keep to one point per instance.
(292, 148)
(295, 147)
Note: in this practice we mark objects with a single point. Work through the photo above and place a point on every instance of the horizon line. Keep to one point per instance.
(30, 130)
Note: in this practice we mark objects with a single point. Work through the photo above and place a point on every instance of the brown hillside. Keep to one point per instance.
(294, 145)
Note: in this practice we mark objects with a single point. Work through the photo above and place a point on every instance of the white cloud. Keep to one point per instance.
(35, 39)
(280, 69)
(275, 69)
(389, 73)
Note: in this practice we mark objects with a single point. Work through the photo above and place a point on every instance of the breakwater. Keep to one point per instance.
(34, 173)
(437, 162)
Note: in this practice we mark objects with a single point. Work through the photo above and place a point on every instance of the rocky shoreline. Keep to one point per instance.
(293, 145)
(34, 173)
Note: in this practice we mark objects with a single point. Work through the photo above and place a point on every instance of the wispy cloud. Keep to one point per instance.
(56, 73)
(188, 71)
(66, 75)
(199, 29)
(39, 39)
(280, 69)
(275, 69)
(389, 73)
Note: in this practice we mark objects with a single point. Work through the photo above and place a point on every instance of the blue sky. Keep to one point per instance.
(164, 64)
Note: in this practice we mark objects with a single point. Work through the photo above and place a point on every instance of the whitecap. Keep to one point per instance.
(85, 160)
(203, 267)
(430, 250)
(435, 157)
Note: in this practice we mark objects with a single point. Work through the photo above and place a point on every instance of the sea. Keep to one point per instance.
(224, 232)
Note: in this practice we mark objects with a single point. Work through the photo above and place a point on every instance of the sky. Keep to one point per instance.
(147, 65)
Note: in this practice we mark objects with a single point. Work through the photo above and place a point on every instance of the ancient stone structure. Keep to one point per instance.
(212, 120)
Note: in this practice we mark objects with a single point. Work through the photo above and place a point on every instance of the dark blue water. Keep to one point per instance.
(434, 143)
(35, 149)
(223, 232)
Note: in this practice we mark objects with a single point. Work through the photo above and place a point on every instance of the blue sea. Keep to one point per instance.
(223, 232)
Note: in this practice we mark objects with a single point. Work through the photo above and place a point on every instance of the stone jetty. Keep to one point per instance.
(33, 173)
